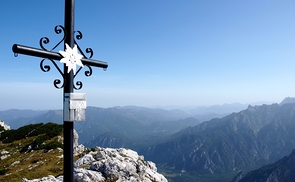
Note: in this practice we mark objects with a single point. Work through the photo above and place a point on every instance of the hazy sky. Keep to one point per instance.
(160, 52)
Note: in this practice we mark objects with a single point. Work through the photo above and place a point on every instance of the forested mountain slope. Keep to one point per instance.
(240, 141)
(283, 171)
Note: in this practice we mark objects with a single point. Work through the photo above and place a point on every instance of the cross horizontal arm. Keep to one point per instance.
(20, 49)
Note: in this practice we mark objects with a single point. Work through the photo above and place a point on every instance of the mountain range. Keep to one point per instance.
(186, 148)
(17, 118)
(130, 121)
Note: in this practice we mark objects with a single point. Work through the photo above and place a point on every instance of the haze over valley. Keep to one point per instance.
(207, 143)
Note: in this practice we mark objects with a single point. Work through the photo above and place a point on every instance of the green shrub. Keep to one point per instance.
(40, 139)
(49, 129)
(3, 171)
(8, 136)
(52, 130)
(52, 145)
(1, 128)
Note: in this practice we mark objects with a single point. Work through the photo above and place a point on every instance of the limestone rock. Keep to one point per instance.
(85, 160)
(79, 149)
(84, 175)
(76, 138)
(5, 126)
(4, 154)
(123, 165)
(108, 164)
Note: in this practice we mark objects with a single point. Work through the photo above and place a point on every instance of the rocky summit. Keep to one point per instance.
(108, 164)
(34, 151)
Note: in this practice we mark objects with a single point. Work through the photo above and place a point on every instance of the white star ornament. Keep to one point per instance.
(71, 58)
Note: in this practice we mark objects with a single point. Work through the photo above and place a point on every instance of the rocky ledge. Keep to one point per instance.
(107, 164)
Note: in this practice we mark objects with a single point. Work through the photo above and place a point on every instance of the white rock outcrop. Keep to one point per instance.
(76, 138)
(4, 154)
(5, 126)
(78, 149)
(108, 164)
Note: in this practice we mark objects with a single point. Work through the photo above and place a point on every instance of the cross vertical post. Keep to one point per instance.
(68, 88)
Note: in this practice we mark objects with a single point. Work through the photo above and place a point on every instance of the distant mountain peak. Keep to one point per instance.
(288, 100)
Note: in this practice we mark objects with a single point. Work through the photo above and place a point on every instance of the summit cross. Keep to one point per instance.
(71, 59)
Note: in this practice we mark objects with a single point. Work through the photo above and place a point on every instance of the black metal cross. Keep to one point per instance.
(68, 77)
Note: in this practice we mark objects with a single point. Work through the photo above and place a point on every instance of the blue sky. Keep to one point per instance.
(160, 52)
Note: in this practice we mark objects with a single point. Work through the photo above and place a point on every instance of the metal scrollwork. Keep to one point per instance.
(89, 72)
(88, 50)
(58, 30)
(78, 85)
(46, 68)
(44, 41)
(79, 36)
(56, 82)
